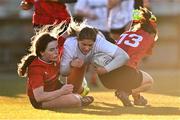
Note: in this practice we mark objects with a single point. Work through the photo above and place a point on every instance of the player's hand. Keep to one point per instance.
(77, 63)
(67, 89)
(100, 70)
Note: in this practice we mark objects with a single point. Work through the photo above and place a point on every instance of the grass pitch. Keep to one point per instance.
(164, 102)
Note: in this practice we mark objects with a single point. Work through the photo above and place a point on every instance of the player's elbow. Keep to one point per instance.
(39, 94)
(126, 57)
(39, 97)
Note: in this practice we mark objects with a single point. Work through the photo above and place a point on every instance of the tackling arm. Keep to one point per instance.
(120, 59)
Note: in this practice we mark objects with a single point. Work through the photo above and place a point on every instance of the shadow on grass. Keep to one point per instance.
(11, 85)
(113, 109)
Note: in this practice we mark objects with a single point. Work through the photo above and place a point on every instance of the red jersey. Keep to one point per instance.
(137, 45)
(44, 74)
(49, 12)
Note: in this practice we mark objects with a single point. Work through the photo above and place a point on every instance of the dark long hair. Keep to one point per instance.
(38, 45)
(147, 21)
(138, 4)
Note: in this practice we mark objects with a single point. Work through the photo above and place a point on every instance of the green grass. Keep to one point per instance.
(164, 99)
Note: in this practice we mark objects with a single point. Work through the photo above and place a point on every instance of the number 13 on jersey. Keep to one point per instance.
(133, 40)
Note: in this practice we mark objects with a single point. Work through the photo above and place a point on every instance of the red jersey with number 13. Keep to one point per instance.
(137, 45)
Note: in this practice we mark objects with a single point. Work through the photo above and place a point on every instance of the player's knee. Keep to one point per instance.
(147, 78)
(150, 80)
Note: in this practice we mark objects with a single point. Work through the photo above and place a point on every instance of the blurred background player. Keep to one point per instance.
(47, 12)
(95, 13)
(120, 16)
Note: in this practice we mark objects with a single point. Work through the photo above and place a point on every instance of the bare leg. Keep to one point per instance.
(65, 101)
(145, 85)
(91, 75)
(76, 77)
(93, 80)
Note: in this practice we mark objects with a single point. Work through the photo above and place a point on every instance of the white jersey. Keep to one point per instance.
(95, 7)
(121, 14)
(71, 51)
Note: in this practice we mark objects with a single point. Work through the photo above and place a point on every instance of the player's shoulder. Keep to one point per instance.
(70, 41)
(100, 38)
(70, 44)
(38, 63)
(37, 67)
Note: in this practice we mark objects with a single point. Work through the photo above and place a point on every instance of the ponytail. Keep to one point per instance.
(25, 62)
(149, 18)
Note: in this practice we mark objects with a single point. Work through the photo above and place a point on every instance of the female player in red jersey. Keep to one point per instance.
(41, 67)
(137, 42)
(47, 12)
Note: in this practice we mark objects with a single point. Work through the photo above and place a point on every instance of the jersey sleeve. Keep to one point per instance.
(119, 56)
(67, 57)
(104, 46)
(35, 76)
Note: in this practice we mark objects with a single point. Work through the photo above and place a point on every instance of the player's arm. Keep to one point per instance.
(26, 5)
(42, 96)
(68, 62)
(36, 79)
(62, 1)
(120, 59)
(66, 59)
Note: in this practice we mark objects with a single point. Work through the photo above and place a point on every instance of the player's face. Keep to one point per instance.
(51, 52)
(86, 45)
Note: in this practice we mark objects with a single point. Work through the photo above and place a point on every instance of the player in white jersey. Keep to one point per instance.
(95, 13)
(120, 15)
(79, 51)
